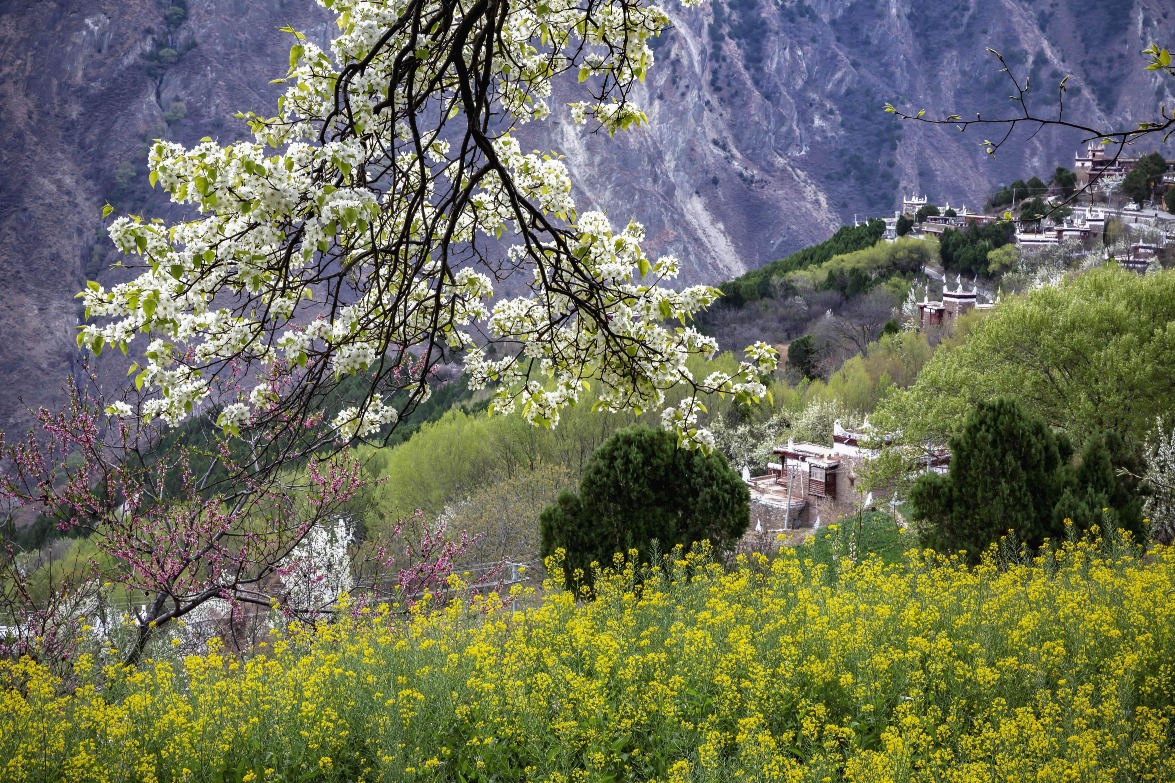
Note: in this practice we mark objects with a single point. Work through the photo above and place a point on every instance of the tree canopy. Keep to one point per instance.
(1010, 472)
(1140, 183)
(1094, 354)
(1004, 475)
(925, 211)
(1033, 209)
(966, 250)
(1065, 181)
(802, 355)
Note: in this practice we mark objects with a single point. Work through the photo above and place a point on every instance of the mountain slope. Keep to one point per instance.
(766, 125)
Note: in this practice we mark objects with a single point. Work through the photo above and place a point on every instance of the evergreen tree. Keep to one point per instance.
(1065, 181)
(1002, 196)
(1019, 190)
(1009, 471)
(1097, 495)
(1005, 475)
(1139, 185)
(1033, 209)
(924, 212)
(639, 488)
(802, 355)
(966, 251)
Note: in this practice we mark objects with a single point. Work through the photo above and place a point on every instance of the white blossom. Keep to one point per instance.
(310, 198)
(317, 572)
(1160, 477)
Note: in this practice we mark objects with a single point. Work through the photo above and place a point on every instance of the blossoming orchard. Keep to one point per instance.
(363, 229)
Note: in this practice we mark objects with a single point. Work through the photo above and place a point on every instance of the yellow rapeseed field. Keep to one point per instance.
(1061, 669)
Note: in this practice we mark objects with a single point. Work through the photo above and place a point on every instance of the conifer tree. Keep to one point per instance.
(1004, 475)
(639, 488)
(1011, 472)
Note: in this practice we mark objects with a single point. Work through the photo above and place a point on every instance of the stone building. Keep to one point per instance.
(955, 303)
(810, 482)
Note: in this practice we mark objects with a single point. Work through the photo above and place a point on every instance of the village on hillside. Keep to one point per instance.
(811, 484)
(1079, 216)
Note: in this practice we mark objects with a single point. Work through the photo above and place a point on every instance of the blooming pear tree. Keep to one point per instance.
(362, 231)
(356, 241)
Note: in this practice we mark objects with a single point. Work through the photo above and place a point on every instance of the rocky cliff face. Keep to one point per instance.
(766, 125)
(84, 88)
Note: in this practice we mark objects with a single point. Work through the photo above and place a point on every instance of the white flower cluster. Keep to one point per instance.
(1160, 477)
(282, 212)
(318, 570)
(351, 422)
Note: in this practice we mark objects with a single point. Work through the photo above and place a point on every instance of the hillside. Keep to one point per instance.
(766, 128)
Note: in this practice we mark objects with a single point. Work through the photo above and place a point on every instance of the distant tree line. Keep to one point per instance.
(966, 251)
(757, 283)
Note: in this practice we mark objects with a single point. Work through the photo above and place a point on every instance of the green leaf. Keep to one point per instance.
(153, 177)
(296, 52)
(106, 210)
